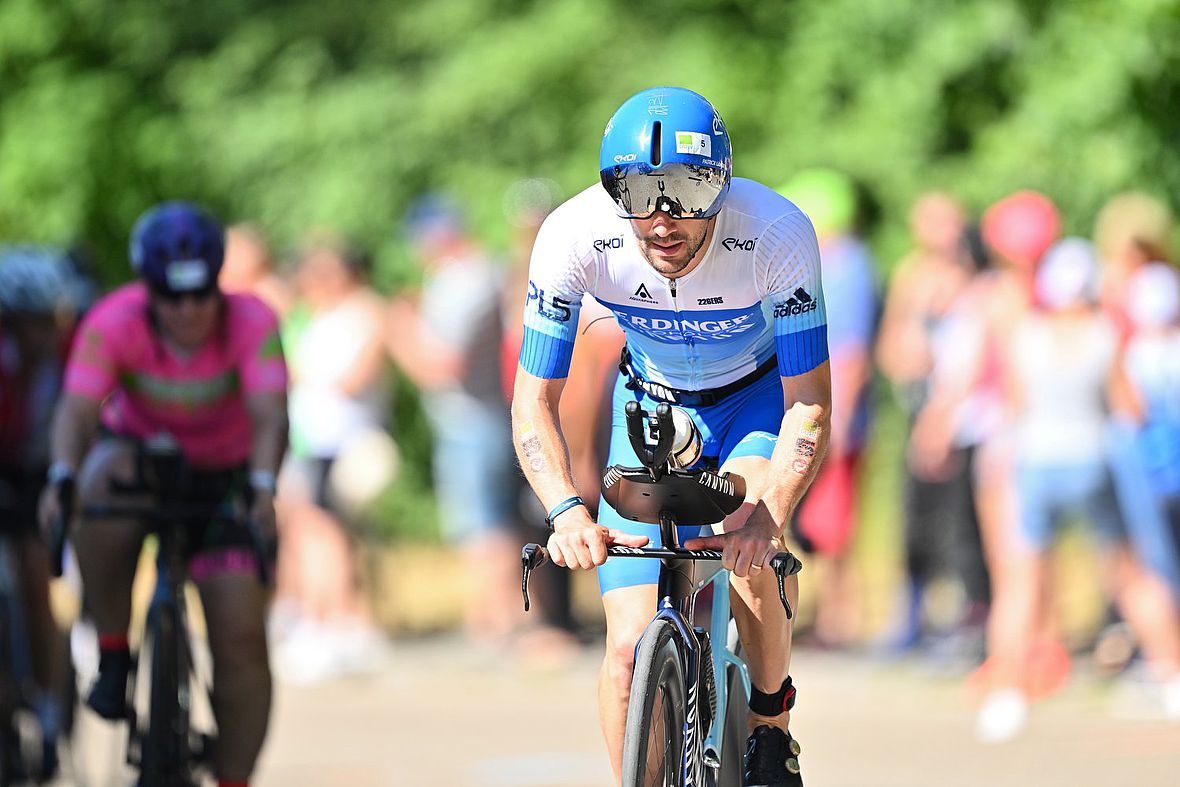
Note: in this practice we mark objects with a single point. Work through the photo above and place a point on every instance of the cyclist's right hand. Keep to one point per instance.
(49, 509)
(580, 542)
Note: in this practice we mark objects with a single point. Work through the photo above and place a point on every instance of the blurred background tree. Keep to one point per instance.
(299, 114)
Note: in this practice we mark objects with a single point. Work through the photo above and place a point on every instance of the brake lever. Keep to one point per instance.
(532, 557)
(262, 551)
(785, 564)
(59, 528)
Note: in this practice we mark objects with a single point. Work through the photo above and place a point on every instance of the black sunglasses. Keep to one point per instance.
(173, 296)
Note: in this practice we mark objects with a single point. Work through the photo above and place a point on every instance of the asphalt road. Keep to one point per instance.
(439, 714)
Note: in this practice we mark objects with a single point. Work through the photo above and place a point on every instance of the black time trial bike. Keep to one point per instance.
(686, 719)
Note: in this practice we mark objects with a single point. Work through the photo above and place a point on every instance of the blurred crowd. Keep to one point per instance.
(1038, 375)
(1041, 380)
(454, 337)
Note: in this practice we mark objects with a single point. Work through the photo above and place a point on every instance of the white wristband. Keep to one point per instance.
(263, 481)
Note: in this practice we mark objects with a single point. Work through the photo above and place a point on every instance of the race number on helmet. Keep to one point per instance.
(666, 149)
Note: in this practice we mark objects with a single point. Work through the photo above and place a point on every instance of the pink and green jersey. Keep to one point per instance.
(119, 360)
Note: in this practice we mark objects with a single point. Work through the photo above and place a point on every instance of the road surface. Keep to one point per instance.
(439, 714)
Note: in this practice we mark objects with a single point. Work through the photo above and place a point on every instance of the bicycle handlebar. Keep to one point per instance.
(158, 515)
(784, 564)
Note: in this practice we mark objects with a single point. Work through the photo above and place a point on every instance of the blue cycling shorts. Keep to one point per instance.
(745, 423)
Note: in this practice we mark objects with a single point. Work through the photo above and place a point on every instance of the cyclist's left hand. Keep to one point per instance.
(262, 513)
(749, 548)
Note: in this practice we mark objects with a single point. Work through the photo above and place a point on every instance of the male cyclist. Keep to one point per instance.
(172, 353)
(716, 283)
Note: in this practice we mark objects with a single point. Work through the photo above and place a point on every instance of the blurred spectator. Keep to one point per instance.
(448, 342)
(249, 268)
(1062, 375)
(584, 413)
(1059, 365)
(962, 411)
(341, 458)
(967, 403)
(1149, 431)
(1145, 452)
(939, 512)
(825, 520)
(1131, 230)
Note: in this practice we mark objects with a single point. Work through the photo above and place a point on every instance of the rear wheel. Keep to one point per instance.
(12, 769)
(654, 740)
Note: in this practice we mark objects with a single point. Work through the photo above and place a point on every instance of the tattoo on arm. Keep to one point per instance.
(805, 446)
(531, 445)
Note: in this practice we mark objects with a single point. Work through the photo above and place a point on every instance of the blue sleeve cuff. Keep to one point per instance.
(802, 351)
(542, 355)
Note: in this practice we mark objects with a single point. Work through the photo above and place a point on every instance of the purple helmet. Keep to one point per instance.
(177, 247)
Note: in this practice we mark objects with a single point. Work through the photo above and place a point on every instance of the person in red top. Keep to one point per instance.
(172, 354)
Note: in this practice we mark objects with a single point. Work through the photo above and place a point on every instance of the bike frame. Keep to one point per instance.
(167, 598)
(678, 591)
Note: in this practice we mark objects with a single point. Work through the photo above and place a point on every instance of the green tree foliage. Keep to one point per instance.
(300, 114)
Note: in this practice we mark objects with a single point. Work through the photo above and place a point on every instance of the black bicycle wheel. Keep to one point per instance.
(654, 739)
(165, 741)
(12, 769)
(733, 737)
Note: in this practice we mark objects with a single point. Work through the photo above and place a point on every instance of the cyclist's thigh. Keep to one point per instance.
(628, 611)
(628, 572)
(753, 419)
(234, 603)
(110, 459)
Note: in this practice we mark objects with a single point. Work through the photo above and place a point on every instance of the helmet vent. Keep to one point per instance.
(656, 139)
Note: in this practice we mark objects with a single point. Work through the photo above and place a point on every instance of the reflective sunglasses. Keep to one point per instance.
(683, 191)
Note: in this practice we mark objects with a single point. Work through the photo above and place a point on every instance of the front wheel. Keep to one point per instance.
(733, 741)
(165, 756)
(653, 743)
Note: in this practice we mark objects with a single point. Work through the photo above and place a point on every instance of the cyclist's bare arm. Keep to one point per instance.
(578, 542)
(536, 435)
(802, 442)
(268, 418)
(75, 423)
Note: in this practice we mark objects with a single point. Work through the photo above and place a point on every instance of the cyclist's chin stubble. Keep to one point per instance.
(667, 266)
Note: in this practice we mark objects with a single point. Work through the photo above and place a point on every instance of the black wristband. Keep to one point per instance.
(561, 508)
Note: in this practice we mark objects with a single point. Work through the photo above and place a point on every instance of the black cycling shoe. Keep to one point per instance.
(108, 696)
(772, 759)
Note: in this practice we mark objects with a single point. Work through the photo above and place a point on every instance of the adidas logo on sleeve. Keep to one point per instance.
(799, 303)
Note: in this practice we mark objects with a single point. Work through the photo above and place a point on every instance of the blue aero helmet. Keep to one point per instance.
(178, 248)
(666, 149)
